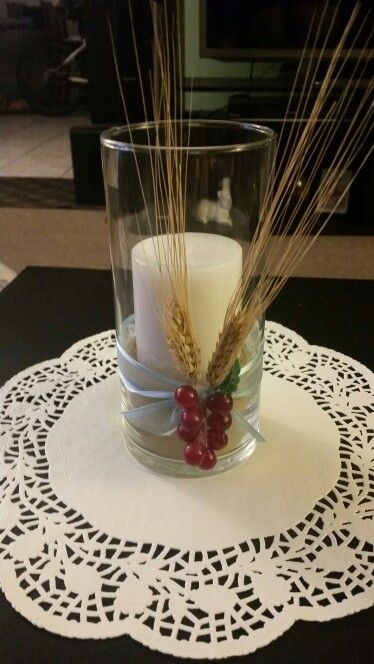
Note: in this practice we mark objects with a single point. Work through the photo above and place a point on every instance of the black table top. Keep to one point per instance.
(45, 310)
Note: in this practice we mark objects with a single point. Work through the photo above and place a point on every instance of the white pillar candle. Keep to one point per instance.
(214, 267)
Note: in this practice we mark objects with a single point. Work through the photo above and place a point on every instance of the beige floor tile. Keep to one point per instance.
(48, 136)
(13, 124)
(55, 152)
(15, 146)
(68, 175)
(29, 166)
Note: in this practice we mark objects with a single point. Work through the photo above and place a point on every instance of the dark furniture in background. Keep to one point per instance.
(16, 32)
(104, 97)
(277, 31)
(86, 157)
(262, 101)
(105, 103)
(62, 306)
(266, 101)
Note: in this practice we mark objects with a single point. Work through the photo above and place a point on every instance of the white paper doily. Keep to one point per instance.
(94, 545)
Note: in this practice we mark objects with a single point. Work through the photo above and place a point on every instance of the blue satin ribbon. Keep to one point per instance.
(162, 416)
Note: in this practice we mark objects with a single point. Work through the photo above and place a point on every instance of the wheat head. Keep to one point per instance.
(180, 338)
(228, 346)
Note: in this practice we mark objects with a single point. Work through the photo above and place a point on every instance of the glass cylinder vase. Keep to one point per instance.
(227, 169)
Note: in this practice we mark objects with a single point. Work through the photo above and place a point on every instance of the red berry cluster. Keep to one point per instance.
(203, 425)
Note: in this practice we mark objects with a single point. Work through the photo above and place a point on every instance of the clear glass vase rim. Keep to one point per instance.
(268, 136)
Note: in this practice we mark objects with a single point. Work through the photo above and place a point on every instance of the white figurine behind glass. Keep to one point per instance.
(218, 211)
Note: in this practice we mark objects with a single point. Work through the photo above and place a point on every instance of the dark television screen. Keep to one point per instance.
(245, 29)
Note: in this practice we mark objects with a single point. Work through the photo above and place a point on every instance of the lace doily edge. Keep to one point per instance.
(147, 638)
(140, 632)
(77, 345)
(367, 372)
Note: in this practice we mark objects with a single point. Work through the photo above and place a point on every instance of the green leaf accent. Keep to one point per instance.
(231, 382)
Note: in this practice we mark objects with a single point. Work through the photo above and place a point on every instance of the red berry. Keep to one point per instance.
(209, 460)
(216, 439)
(186, 396)
(186, 434)
(194, 453)
(220, 421)
(192, 419)
(220, 402)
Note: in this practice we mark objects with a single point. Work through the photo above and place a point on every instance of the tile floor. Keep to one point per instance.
(37, 146)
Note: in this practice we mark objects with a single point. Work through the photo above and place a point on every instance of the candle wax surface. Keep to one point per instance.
(214, 267)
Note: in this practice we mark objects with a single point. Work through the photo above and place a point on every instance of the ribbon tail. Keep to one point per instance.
(160, 419)
(134, 388)
(247, 427)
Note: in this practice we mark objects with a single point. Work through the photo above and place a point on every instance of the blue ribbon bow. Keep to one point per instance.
(162, 416)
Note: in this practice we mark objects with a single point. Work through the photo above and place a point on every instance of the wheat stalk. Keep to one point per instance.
(169, 172)
(170, 186)
(268, 268)
(265, 270)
